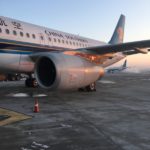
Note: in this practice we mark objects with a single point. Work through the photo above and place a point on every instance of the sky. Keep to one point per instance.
(90, 18)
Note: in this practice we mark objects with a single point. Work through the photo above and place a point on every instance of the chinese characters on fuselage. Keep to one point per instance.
(15, 24)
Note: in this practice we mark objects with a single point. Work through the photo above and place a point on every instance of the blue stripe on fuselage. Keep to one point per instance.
(15, 52)
(25, 46)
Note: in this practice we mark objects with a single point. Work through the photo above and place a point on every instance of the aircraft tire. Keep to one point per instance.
(31, 82)
(89, 88)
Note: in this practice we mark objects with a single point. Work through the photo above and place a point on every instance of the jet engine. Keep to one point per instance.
(60, 71)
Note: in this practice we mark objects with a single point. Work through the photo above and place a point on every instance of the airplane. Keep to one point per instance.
(117, 69)
(59, 60)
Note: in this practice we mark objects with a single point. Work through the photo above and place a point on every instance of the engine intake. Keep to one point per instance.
(46, 71)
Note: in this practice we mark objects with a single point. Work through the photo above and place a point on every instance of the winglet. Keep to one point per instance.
(118, 34)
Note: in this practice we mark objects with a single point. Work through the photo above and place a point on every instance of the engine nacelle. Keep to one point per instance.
(60, 71)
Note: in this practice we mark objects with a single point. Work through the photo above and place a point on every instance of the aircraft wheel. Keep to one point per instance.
(81, 89)
(91, 87)
(27, 82)
(31, 82)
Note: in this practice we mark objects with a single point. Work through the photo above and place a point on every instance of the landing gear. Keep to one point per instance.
(31, 82)
(89, 88)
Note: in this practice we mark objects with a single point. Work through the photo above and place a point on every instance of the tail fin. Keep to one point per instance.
(118, 34)
(125, 64)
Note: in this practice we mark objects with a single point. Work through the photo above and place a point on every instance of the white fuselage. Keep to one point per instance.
(44, 36)
(18, 31)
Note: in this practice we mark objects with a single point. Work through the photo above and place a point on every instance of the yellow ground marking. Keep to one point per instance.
(14, 117)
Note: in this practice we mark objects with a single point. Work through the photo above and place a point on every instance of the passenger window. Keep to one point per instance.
(28, 35)
(41, 37)
(7, 31)
(33, 36)
(21, 33)
(49, 39)
(54, 40)
(14, 32)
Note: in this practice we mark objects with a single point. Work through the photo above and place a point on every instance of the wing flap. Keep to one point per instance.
(142, 50)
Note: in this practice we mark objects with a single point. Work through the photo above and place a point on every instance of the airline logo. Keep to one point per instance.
(120, 34)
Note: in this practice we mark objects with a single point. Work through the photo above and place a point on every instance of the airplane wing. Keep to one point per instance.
(127, 48)
(136, 51)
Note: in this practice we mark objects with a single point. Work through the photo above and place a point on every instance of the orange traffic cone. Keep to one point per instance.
(36, 106)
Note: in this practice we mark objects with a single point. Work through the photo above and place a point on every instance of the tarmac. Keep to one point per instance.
(115, 117)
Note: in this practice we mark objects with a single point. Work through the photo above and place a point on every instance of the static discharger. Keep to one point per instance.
(36, 106)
